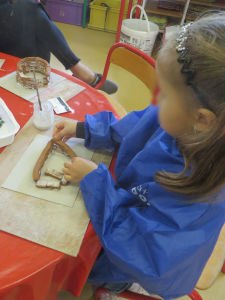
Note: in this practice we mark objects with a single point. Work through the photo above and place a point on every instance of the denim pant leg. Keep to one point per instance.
(51, 40)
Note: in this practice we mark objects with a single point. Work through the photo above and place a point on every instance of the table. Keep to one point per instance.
(29, 271)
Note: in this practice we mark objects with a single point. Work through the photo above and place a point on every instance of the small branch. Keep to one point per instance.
(37, 91)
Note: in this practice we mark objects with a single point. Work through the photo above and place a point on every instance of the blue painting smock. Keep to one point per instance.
(149, 235)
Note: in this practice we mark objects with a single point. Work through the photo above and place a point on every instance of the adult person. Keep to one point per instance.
(27, 30)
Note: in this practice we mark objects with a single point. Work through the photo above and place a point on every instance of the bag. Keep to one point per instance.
(139, 33)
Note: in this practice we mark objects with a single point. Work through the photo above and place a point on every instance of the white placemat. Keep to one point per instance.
(58, 86)
(57, 220)
(20, 178)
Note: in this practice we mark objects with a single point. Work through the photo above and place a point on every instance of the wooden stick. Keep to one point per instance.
(37, 91)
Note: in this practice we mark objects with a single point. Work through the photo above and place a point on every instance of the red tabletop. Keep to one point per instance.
(29, 271)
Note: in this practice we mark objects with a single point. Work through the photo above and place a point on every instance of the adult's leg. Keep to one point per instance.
(51, 38)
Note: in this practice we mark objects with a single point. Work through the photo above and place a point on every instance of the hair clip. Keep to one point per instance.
(183, 37)
(185, 59)
(184, 54)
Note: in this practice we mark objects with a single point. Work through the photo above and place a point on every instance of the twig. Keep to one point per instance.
(36, 88)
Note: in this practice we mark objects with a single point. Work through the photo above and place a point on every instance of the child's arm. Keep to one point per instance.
(103, 130)
(65, 130)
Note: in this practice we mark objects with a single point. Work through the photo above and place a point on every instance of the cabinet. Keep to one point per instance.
(70, 12)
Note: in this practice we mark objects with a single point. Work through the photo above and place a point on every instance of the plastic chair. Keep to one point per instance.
(134, 61)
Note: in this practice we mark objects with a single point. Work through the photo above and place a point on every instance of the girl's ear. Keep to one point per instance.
(205, 118)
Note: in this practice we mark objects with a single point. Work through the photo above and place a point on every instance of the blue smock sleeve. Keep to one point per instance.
(163, 245)
(103, 130)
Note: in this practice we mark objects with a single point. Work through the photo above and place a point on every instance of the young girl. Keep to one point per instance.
(160, 219)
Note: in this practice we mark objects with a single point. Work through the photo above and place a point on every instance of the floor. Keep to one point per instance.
(92, 46)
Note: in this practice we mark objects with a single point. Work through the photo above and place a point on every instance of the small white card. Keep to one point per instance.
(59, 105)
(2, 61)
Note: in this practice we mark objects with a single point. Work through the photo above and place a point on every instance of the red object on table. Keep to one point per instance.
(29, 271)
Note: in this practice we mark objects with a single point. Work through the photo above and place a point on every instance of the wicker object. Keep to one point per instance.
(33, 72)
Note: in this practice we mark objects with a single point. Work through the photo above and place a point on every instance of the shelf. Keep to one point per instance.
(178, 14)
(164, 12)
(168, 13)
(219, 4)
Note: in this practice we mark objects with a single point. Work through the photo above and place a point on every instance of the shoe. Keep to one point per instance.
(108, 86)
(117, 288)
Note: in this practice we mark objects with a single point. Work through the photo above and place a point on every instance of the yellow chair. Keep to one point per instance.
(215, 263)
(135, 62)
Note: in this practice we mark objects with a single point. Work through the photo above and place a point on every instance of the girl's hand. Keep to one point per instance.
(77, 169)
(65, 130)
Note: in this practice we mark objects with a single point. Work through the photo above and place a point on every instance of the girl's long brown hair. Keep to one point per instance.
(204, 153)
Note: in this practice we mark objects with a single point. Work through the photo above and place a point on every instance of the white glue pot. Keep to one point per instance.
(43, 118)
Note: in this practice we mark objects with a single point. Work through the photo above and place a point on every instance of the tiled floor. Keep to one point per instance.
(86, 295)
(92, 47)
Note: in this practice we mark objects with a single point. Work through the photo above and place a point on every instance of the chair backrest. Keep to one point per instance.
(134, 61)
(215, 263)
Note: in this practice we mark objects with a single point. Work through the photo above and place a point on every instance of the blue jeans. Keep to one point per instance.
(27, 30)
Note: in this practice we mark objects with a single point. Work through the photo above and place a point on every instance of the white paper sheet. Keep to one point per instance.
(58, 86)
(56, 222)
(20, 178)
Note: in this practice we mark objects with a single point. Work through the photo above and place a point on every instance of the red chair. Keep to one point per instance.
(133, 61)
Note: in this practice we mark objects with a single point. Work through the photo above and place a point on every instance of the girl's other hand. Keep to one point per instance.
(77, 169)
(65, 130)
